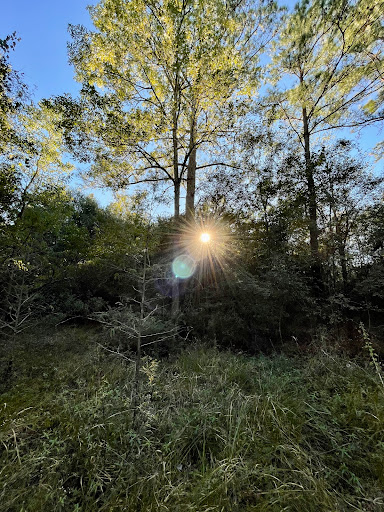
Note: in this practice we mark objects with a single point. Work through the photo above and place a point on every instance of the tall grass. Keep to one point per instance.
(216, 432)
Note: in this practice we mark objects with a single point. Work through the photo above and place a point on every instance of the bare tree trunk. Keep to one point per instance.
(177, 199)
(343, 262)
(177, 182)
(175, 148)
(312, 205)
(191, 176)
(191, 186)
(342, 254)
(312, 200)
(264, 203)
(175, 284)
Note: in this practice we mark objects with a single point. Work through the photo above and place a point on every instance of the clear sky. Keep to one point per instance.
(41, 55)
(42, 52)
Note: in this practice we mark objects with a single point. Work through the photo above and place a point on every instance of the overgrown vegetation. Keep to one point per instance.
(228, 358)
(216, 431)
(300, 243)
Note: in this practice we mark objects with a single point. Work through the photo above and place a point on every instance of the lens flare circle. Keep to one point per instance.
(205, 237)
(183, 266)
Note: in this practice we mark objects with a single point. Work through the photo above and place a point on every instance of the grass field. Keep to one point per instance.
(214, 431)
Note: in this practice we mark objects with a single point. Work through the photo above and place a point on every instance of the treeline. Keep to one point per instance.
(175, 102)
(66, 259)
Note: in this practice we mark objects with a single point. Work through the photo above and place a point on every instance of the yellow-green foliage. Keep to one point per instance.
(170, 70)
(329, 55)
(217, 432)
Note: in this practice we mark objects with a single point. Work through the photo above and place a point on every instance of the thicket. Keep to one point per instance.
(67, 259)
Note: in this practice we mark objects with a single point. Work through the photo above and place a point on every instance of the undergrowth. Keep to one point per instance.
(215, 431)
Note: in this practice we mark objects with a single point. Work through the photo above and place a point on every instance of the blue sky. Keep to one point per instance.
(42, 52)
(41, 55)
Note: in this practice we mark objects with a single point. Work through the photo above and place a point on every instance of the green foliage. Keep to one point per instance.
(254, 311)
(161, 81)
(216, 431)
(9, 185)
(372, 354)
(64, 255)
(12, 94)
(332, 52)
(327, 62)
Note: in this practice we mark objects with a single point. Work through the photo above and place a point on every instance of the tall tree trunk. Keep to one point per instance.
(191, 176)
(176, 198)
(312, 207)
(264, 203)
(344, 271)
(341, 242)
(175, 147)
(175, 283)
(312, 200)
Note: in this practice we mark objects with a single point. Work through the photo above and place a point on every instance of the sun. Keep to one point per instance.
(207, 242)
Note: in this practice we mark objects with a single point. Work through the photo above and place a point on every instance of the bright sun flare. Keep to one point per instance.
(205, 237)
(206, 249)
